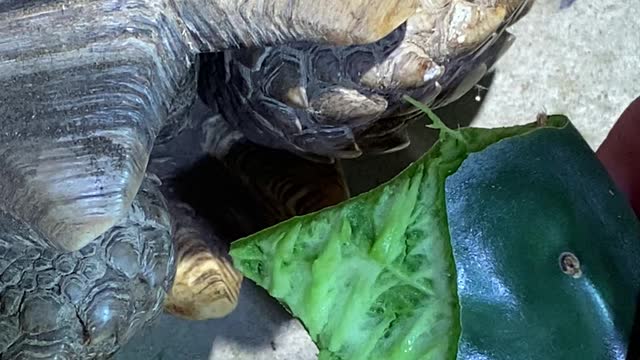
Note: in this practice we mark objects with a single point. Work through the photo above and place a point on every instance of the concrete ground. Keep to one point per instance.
(583, 61)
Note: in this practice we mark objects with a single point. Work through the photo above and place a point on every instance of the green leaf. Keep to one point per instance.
(375, 277)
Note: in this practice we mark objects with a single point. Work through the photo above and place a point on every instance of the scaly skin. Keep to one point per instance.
(339, 102)
(84, 304)
(206, 286)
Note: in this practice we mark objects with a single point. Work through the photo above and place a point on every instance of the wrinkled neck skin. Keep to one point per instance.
(85, 87)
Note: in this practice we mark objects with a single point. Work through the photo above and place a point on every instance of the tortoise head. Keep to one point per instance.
(343, 101)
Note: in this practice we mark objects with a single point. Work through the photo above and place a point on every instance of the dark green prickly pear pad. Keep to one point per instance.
(460, 255)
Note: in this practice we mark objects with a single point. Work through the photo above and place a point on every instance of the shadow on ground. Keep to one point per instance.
(252, 325)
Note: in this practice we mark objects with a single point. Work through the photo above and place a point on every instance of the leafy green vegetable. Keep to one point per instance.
(375, 277)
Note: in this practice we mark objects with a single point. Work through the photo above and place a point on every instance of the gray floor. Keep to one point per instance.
(583, 61)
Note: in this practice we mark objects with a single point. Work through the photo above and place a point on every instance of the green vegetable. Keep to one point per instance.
(459, 255)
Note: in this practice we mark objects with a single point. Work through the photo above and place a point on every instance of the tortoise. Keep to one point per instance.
(96, 97)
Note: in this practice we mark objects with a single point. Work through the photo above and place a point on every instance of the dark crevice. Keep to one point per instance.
(22, 299)
(219, 198)
(86, 336)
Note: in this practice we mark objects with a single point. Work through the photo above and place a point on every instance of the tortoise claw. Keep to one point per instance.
(81, 107)
(73, 170)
